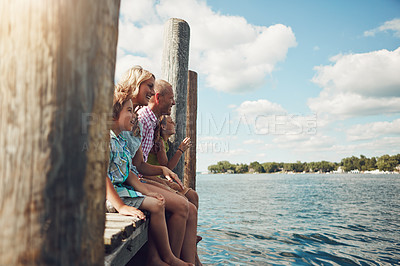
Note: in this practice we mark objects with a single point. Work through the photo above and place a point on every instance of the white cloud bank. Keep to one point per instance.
(301, 142)
(260, 107)
(392, 25)
(373, 130)
(233, 55)
(359, 85)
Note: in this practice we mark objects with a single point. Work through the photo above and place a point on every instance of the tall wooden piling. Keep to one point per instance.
(191, 128)
(57, 63)
(174, 69)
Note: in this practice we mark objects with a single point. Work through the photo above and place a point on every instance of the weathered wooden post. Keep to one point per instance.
(191, 120)
(174, 69)
(57, 63)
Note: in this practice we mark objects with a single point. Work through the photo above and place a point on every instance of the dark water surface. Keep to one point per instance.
(304, 219)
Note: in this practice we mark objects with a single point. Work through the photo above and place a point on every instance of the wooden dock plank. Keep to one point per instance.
(129, 247)
(123, 238)
(126, 228)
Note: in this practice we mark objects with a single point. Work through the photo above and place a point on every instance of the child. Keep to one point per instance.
(122, 185)
(158, 156)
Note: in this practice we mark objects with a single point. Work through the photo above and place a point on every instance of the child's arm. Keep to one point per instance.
(149, 170)
(118, 204)
(186, 143)
(162, 157)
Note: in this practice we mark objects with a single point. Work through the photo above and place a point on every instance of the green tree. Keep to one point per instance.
(387, 163)
(257, 167)
(270, 167)
(371, 164)
(350, 163)
(214, 168)
(363, 163)
(225, 166)
(326, 166)
(241, 168)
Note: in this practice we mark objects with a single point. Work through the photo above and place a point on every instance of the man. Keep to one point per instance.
(160, 104)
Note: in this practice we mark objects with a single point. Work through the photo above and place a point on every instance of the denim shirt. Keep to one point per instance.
(120, 165)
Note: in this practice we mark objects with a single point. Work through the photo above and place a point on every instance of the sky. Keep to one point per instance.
(280, 80)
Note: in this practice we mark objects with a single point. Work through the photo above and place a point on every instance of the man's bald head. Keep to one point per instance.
(163, 100)
(162, 87)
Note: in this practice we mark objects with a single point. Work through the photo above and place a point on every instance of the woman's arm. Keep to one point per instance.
(118, 204)
(149, 170)
(133, 180)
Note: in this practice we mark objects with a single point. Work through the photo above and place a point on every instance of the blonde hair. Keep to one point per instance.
(133, 78)
(128, 87)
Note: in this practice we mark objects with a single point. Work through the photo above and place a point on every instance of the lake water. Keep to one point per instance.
(303, 219)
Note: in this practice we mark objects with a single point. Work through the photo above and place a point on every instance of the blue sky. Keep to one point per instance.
(283, 80)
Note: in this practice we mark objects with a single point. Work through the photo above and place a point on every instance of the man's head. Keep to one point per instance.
(163, 100)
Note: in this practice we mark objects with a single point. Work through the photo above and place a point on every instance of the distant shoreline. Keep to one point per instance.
(294, 173)
(354, 165)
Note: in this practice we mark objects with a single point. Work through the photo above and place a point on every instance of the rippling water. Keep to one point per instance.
(307, 219)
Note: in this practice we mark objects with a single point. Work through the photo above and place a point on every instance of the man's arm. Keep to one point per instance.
(147, 139)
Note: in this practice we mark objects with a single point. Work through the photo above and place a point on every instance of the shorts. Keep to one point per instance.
(133, 202)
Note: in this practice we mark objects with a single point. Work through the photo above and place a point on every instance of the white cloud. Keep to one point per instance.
(234, 152)
(373, 130)
(370, 74)
(359, 84)
(392, 25)
(209, 138)
(375, 147)
(341, 105)
(267, 118)
(260, 107)
(253, 142)
(233, 55)
(306, 143)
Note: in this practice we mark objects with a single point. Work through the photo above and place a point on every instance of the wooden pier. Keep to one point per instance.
(57, 65)
(124, 236)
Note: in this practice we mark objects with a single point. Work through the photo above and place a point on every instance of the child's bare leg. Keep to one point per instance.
(189, 243)
(178, 206)
(158, 231)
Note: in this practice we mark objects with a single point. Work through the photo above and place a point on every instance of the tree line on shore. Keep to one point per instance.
(362, 163)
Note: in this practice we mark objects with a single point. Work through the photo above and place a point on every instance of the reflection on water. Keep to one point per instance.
(299, 219)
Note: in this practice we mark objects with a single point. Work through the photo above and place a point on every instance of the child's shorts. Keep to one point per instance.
(133, 202)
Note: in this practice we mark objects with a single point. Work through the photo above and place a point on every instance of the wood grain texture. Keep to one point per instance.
(174, 69)
(191, 129)
(121, 243)
(57, 62)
